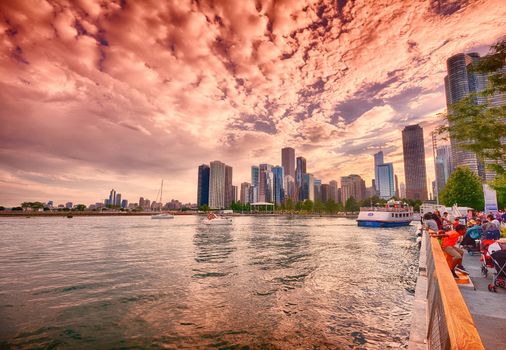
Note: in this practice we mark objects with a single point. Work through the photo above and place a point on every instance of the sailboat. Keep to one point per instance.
(162, 215)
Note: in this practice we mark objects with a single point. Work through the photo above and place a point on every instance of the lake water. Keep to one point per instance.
(269, 283)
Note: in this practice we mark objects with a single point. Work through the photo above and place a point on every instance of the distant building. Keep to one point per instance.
(217, 185)
(317, 190)
(443, 167)
(112, 197)
(288, 161)
(266, 184)
(402, 190)
(117, 202)
(141, 202)
(334, 191)
(352, 186)
(147, 204)
(307, 188)
(385, 173)
(290, 188)
(414, 162)
(255, 180)
(378, 160)
(69, 205)
(235, 194)
(325, 193)
(229, 189)
(124, 203)
(203, 185)
(278, 184)
(397, 193)
(299, 174)
(245, 192)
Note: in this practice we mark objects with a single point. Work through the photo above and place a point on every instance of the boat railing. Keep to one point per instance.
(450, 324)
(385, 209)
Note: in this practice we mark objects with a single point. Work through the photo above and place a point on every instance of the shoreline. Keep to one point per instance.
(92, 213)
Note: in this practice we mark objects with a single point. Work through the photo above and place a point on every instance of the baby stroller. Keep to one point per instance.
(492, 256)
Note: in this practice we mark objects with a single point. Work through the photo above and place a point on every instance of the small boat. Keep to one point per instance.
(69, 216)
(394, 214)
(217, 220)
(162, 215)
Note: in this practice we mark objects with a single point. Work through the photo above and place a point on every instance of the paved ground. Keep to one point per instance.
(487, 308)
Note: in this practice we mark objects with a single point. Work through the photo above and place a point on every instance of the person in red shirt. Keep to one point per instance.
(448, 244)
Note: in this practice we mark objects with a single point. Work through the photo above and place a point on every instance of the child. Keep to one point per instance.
(448, 244)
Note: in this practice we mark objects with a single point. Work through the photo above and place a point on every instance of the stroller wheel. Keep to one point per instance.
(499, 283)
(490, 288)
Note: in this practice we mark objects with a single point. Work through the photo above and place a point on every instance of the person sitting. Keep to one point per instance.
(446, 220)
(490, 229)
(448, 244)
(473, 233)
(429, 223)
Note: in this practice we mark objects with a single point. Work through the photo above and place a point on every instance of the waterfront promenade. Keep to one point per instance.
(478, 322)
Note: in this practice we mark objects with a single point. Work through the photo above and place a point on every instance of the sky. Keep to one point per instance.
(97, 95)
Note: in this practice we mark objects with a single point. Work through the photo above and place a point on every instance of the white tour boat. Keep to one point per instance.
(394, 214)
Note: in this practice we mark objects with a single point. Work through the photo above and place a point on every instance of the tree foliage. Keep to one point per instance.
(464, 189)
(351, 205)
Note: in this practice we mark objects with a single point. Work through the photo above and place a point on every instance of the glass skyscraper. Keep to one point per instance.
(203, 185)
(279, 191)
(385, 180)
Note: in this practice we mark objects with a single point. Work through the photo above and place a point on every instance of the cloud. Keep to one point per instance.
(121, 94)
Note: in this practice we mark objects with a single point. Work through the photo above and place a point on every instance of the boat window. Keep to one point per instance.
(392, 214)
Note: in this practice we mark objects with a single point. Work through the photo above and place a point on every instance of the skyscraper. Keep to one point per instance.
(414, 162)
(307, 188)
(112, 197)
(352, 186)
(317, 190)
(460, 83)
(117, 201)
(299, 174)
(397, 192)
(229, 190)
(378, 160)
(333, 191)
(245, 192)
(288, 161)
(385, 174)
(443, 167)
(265, 183)
(290, 188)
(235, 194)
(325, 193)
(217, 185)
(279, 190)
(203, 185)
(255, 178)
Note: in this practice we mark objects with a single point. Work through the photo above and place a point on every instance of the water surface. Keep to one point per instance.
(272, 283)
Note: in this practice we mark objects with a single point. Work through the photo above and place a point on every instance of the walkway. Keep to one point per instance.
(487, 308)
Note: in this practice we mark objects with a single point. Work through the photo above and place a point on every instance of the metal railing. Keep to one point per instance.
(450, 325)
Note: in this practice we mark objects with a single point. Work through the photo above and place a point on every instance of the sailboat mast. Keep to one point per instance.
(161, 193)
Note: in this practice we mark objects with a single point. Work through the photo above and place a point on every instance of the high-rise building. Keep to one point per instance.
(117, 202)
(288, 161)
(235, 194)
(385, 174)
(443, 168)
(203, 185)
(397, 193)
(462, 81)
(317, 190)
(414, 162)
(278, 182)
(325, 193)
(352, 186)
(299, 174)
(266, 184)
(378, 160)
(141, 202)
(307, 188)
(255, 180)
(112, 197)
(290, 188)
(124, 203)
(229, 190)
(245, 192)
(334, 191)
(69, 205)
(217, 185)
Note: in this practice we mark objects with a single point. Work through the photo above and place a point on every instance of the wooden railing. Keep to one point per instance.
(450, 324)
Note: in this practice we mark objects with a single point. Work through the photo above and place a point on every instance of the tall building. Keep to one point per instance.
(290, 188)
(229, 190)
(352, 186)
(307, 188)
(245, 192)
(235, 194)
(414, 162)
(385, 174)
(443, 168)
(402, 190)
(217, 185)
(265, 183)
(255, 180)
(397, 192)
(317, 190)
(299, 174)
(288, 161)
(333, 191)
(325, 193)
(124, 203)
(117, 202)
(378, 160)
(278, 184)
(112, 197)
(460, 83)
(203, 185)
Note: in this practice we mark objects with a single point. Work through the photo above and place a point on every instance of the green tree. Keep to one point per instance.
(289, 205)
(298, 206)
(2, 208)
(464, 189)
(352, 205)
(480, 127)
(204, 207)
(318, 207)
(331, 207)
(80, 207)
(308, 205)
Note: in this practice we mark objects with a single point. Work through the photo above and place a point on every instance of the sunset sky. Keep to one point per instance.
(97, 95)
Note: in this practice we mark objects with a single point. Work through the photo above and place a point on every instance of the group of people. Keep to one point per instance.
(478, 226)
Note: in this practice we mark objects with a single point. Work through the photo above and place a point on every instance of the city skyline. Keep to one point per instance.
(88, 106)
